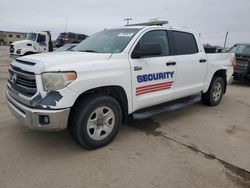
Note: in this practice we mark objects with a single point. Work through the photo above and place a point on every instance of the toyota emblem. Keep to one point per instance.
(13, 78)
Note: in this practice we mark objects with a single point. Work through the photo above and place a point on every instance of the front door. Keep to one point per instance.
(42, 43)
(153, 76)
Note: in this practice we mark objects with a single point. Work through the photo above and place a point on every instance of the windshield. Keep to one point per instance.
(240, 49)
(107, 41)
(31, 36)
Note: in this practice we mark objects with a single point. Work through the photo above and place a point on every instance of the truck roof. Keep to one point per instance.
(157, 27)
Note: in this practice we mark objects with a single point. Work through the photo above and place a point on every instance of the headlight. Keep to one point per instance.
(18, 51)
(57, 80)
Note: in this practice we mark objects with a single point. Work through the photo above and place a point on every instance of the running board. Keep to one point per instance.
(166, 107)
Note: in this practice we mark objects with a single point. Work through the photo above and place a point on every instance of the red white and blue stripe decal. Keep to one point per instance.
(152, 88)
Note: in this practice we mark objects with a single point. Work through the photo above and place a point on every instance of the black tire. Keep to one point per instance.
(208, 97)
(81, 113)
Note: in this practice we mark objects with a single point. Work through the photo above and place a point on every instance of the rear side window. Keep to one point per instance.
(185, 43)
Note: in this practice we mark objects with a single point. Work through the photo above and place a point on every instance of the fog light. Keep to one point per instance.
(43, 120)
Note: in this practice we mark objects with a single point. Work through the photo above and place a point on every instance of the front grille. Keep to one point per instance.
(12, 49)
(241, 66)
(23, 82)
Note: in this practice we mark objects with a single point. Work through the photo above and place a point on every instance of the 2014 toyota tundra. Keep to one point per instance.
(111, 75)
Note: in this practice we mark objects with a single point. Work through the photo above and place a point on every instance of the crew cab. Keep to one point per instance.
(111, 75)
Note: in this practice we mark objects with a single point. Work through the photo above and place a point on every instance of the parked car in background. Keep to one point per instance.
(66, 38)
(66, 47)
(242, 54)
(212, 49)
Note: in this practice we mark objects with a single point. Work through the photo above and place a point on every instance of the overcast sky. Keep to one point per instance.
(211, 18)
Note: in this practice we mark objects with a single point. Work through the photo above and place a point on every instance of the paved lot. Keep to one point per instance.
(197, 146)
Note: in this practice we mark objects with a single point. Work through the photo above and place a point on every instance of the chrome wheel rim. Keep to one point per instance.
(217, 91)
(101, 123)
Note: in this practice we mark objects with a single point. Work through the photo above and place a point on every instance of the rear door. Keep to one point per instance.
(191, 64)
(153, 76)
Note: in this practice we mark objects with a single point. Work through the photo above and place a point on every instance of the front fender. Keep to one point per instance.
(212, 73)
(28, 50)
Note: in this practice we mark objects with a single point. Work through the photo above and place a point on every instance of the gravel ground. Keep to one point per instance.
(197, 146)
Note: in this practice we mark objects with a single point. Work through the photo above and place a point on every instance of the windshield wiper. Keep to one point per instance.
(93, 51)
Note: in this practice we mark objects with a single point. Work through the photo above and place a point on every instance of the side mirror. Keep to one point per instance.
(147, 50)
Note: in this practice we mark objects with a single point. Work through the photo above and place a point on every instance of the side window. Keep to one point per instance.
(41, 38)
(155, 37)
(185, 43)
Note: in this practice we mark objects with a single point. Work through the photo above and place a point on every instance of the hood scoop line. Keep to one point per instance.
(25, 62)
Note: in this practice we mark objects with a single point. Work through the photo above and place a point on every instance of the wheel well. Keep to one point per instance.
(223, 75)
(117, 92)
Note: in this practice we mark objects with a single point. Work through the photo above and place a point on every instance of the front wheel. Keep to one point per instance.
(95, 121)
(215, 92)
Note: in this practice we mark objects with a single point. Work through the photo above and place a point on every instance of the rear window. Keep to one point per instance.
(240, 49)
(185, 43)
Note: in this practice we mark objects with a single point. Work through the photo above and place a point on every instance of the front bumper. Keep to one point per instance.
(14, 56)
(58, 119)
(241, 76)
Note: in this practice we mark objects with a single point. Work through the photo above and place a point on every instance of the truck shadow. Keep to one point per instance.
(241, 83)
(150, 125)
(44, 144)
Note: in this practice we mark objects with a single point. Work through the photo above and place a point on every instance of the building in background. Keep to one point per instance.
(7, 37)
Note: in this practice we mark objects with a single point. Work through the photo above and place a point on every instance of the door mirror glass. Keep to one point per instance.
(147, 50)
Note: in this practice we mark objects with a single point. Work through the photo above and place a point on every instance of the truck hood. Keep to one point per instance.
(61, 61)
(22, 43)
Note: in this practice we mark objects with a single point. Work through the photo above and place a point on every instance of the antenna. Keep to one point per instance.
(66, 25)
(127, 19)
(225, 43)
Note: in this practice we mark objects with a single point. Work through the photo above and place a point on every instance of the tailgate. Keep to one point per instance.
(242, 64)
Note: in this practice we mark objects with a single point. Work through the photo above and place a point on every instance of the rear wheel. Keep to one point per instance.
(215, 92)
(95, 121)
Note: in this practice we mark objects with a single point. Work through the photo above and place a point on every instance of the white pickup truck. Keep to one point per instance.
(113, 74)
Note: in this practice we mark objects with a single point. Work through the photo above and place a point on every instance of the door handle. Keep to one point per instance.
(203, 60)
(170, 63)
(137, 68)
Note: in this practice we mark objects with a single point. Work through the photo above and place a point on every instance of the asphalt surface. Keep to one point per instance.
(196, 146)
